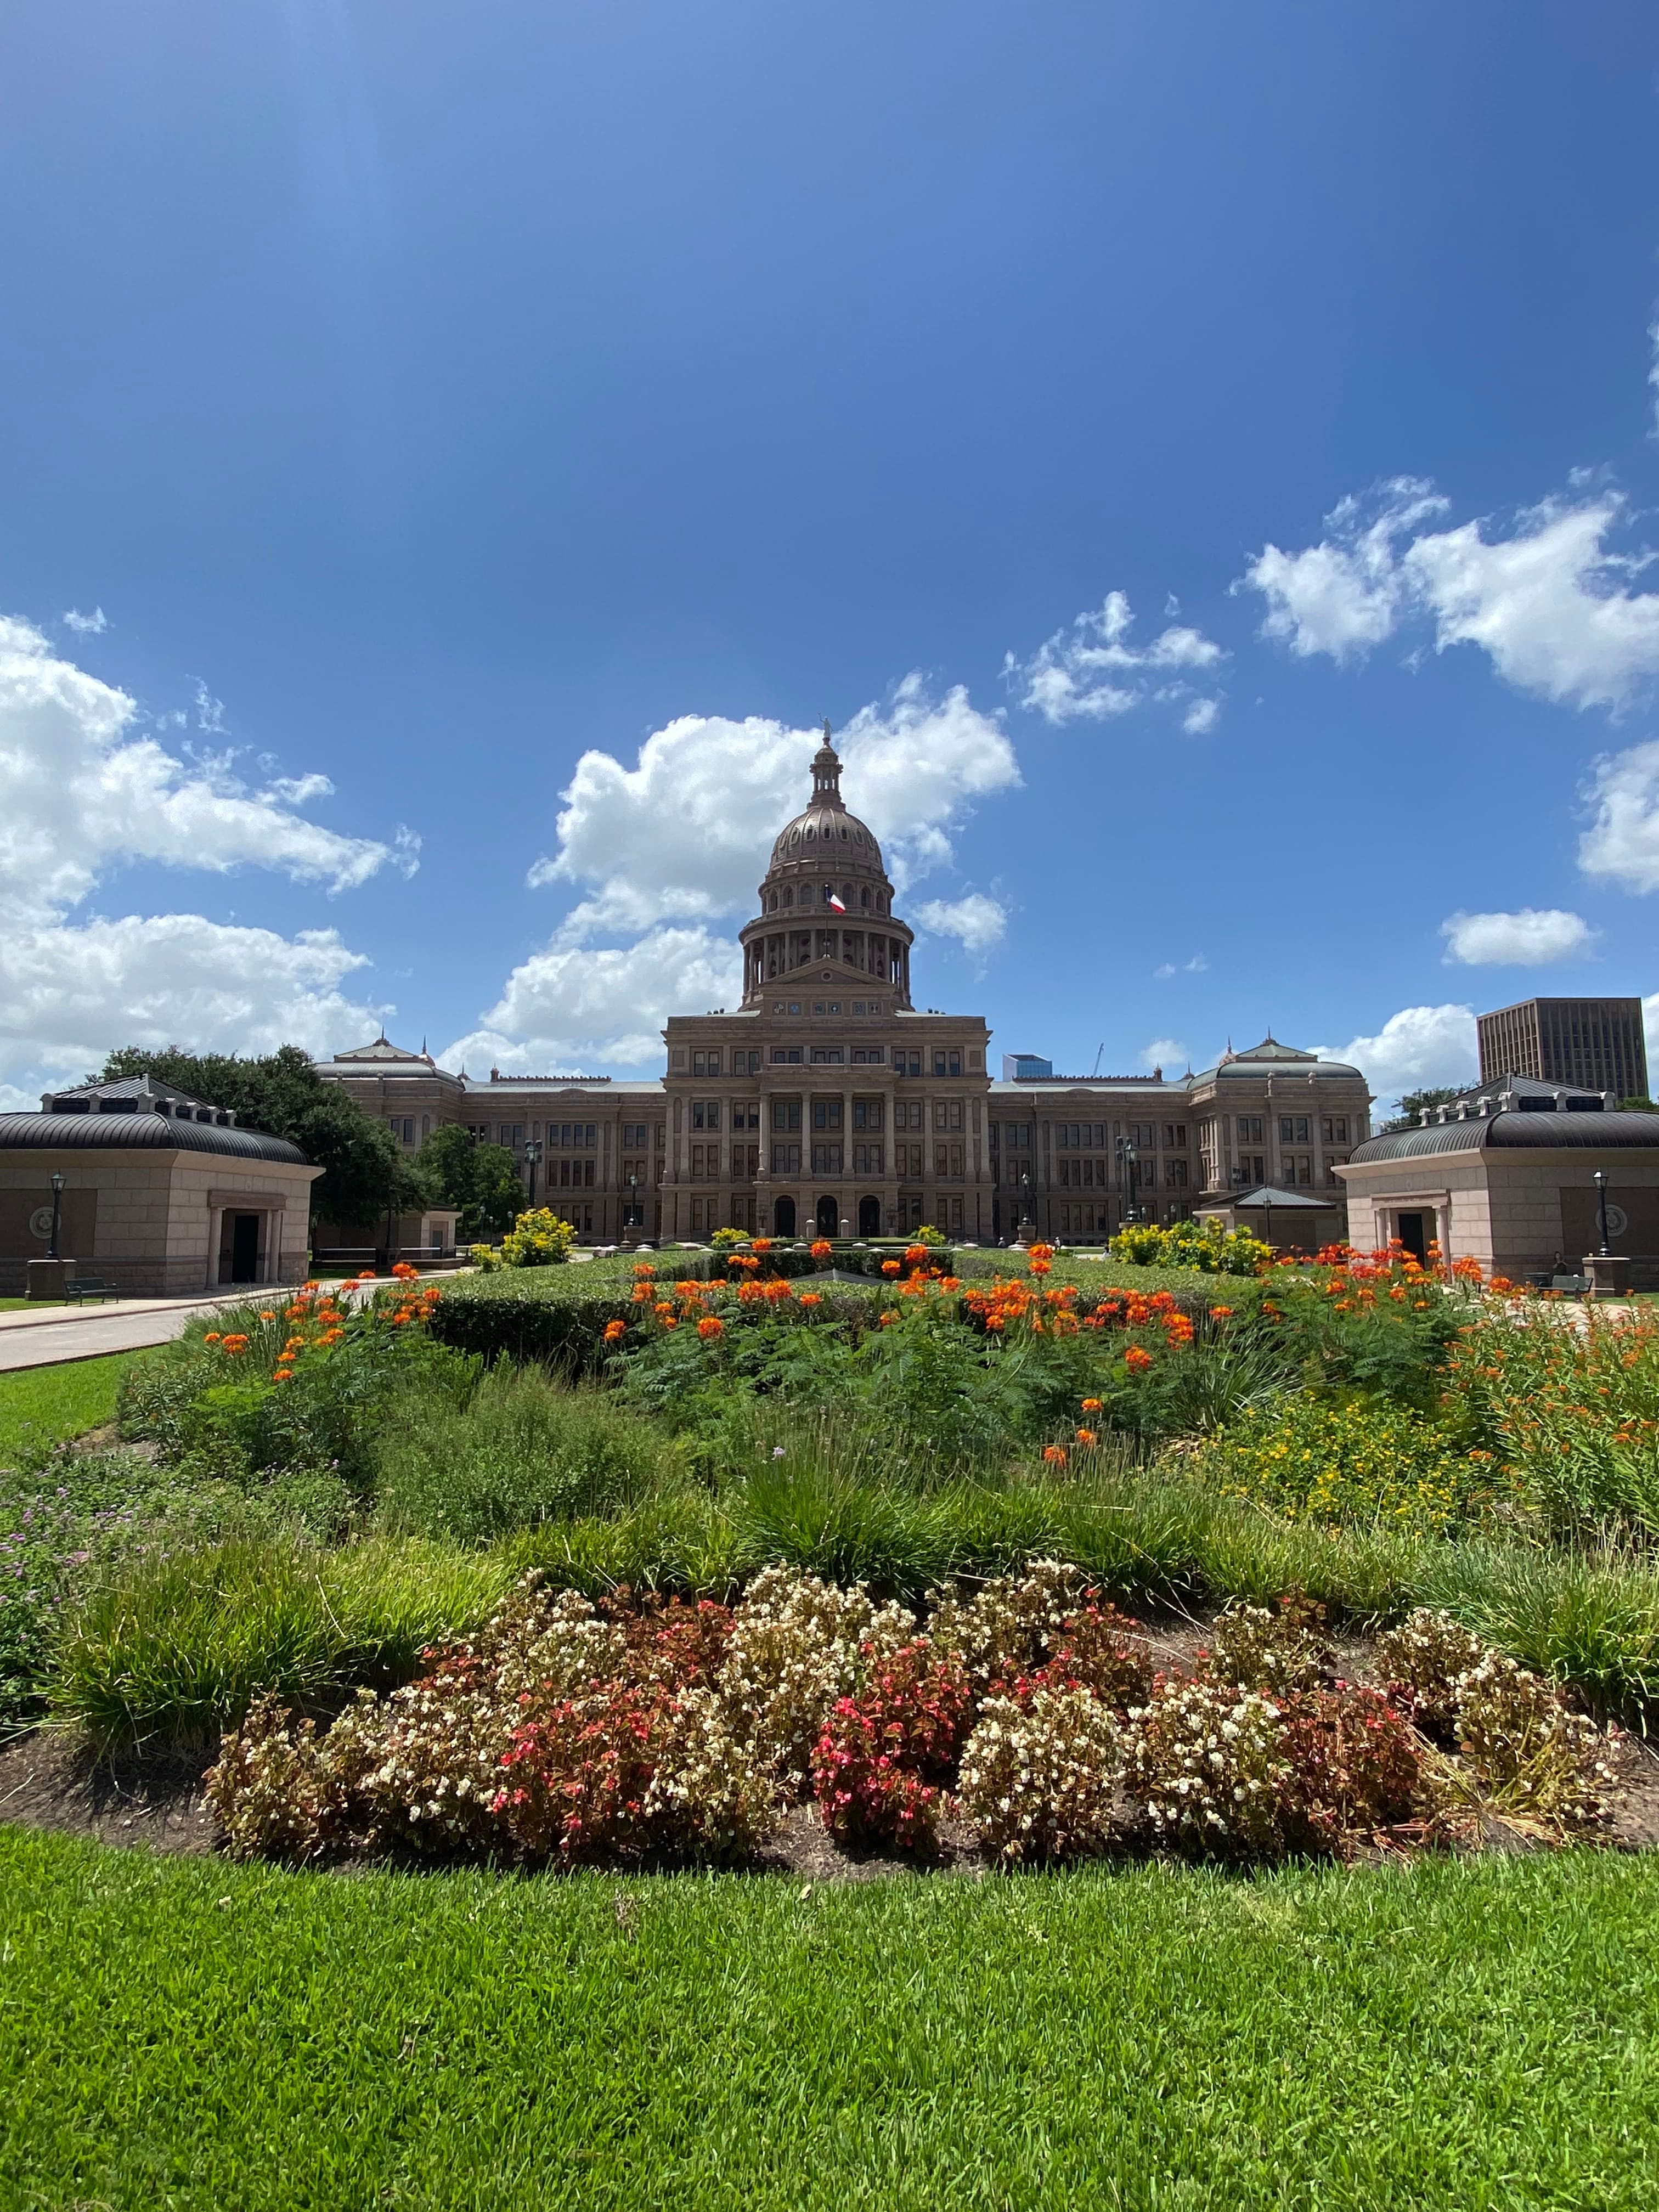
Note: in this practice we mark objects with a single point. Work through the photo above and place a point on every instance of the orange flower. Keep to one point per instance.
(1092, 1405)
(1136, 1361)
(710, 1325)
(404, 1272)
(891, 1267)
(760, 1244)
(995, 1323)
(212, 1337)
(613, 1329)
(1087, 1437)
(644, 1267)
(1042, 1266)
(807, 1297)
(663, 1310)
(888, 1319)
(1054, 1453)
(1220, 1313)
(820, 1248)
(948, 1282)
(283, 1375)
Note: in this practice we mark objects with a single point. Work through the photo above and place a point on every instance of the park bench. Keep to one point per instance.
(80, 1288)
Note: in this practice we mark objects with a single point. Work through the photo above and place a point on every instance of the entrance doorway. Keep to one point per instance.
(869, 1217)
(238, 1248)
(829, 1217)
(1414, 1237)
(783, 1217)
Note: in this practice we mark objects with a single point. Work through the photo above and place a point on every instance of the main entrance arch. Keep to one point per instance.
(869, 1217)
(829, 1217)
(783, 1217)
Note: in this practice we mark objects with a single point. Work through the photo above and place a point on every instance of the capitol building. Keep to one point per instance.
(826, 1103)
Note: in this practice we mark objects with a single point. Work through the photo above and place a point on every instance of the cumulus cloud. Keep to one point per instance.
(1622, 843)
(74, 619)
(1531, 938)
(83, 789)
(571, 1004)
(684, 833)
(1418, 1048)
(1093, 672)
(1549, 603)
(978, 921)
(1167, 1052)
(1344, 595)
(1195, 966)
(69, 992)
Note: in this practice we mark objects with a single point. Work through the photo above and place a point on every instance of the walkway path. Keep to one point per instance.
(54, 1333)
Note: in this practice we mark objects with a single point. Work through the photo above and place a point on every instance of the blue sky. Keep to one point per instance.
(1202, 460)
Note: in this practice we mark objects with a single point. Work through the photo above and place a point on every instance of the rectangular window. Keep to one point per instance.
(907, 1160)
(1141, 1135)
(1334, 1128)
(785, 1114)
(1250, 1129)
(867, 1113)
(869, 1055)
(786, 1055)
(826, 1160)
(906, 1063)
(1174, 1174)
(1175, 1134)
(866, 1159)
(948, 1062)
(826, 1113)
(1292, 1128)
(634, 1134)
(511, 1133)
(827, 1055)
(785, 1159)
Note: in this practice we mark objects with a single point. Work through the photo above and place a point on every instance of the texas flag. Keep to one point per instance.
(836, 903)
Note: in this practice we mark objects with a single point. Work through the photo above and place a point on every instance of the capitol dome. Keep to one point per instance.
(826, 903)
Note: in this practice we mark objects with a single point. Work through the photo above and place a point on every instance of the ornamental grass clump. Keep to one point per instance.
(1039, 1776)
(884, 1756)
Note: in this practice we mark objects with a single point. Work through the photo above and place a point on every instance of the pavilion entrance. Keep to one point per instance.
(783, 1217)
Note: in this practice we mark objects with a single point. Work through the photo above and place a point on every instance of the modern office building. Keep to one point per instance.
(826, 1102)
(1587, 1044)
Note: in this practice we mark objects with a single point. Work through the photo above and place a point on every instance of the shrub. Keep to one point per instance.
(1039, 1776)
(1305, 1458)
(1210, 1762)
(882, 1757)
(798, 1644)
(1356, 1765)
(538, 1238)
(1106, 1652)
(1191, 1244)
(275, 1793)
(1279, 1652)
(1010, 1625)
(541, 1317)
(1427, 1657)
(1532, 1755)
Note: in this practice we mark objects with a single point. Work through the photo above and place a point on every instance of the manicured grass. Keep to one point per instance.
(46, 1404)
(22, 1305)
(1470, 2036)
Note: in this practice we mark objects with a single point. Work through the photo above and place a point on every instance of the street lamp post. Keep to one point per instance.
(57, 1208)
(1604, 1250)
(1022, 1235)
(1127, 1159)
(532, 1152)
(1608, 1270)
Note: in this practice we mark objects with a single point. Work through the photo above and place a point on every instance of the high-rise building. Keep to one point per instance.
(1591, 1044)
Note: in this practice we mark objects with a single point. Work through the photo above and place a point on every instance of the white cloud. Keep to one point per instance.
(1092, 672)
(685, 833)
(978, 921)
(1417, 1048)
(1344, 595)
(1548, 603)
(1622, 843)
(80, 791)
(74, 619)
(1531, 938)
(1195, 966)
(1167, 1052)
(69, 992)
(574, 1004)
(1653, 374)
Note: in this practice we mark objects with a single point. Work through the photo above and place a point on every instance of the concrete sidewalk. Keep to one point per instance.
(56, 1333)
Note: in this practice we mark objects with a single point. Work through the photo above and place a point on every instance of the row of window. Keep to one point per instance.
(777, 902)
(826, 1005)
(1294, 1129)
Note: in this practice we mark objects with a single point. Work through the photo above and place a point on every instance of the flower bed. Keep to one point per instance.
(567, 1733)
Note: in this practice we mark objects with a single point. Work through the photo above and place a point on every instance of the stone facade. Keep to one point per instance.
(827, 1103)
(1514, 1189)
(154, 1202)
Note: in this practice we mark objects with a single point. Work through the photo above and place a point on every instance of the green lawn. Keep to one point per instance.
(1466, 2035)
(58, 1401)
(22, 1305)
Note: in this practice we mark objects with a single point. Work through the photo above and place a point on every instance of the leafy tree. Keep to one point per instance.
(365, 1172)
(483, 1180)
(1638, 1106)
(1413, 1102)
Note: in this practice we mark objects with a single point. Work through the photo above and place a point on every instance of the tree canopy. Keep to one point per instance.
(483, 1180)
(364, 1168)
(1413, 1102)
